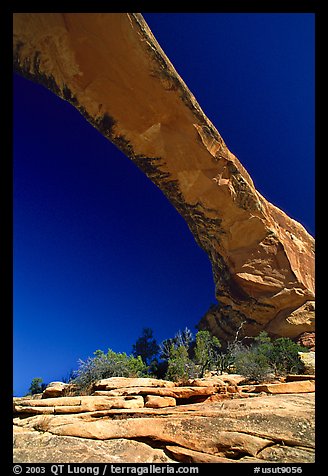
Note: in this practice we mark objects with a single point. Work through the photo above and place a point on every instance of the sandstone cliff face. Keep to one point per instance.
(111, 68)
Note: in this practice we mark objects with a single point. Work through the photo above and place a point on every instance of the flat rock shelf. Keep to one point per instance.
(206, 421)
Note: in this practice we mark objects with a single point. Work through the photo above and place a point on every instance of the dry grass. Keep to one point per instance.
(74, 390)
(43, 423)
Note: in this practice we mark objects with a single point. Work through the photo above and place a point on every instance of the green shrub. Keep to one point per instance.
(187, 359)
(176, 355)
(265, 356)
(283, 357)
(179, 364)
(252, 364)
(37, 386)
(206, 351)
(224, 362)
(108, 365)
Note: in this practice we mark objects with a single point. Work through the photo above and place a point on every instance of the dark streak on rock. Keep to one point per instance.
(164, 70)
(68, 96)
(31, 69)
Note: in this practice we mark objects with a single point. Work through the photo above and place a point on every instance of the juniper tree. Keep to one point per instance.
(146, 346)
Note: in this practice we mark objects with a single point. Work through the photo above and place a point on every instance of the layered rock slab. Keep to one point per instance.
(111, 68)
(35, 447)
(77, 404)
(304, 386)
(232, 429)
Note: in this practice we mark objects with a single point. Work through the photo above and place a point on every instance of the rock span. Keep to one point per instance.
(111, 68)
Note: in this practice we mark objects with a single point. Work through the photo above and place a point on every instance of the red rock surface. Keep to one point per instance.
(307, 339)
(111, 68)
(304, 386)
(202, 432)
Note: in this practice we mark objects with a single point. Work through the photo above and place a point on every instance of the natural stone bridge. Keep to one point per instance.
(111, 68)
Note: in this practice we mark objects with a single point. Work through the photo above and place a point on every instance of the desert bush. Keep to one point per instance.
(224, 362)
(282, 355)
(206, 351)
(252, 364)
(175, 354)
(187, 358)
(266, 356)
(107, 365)
(37, 386)
(180, 365)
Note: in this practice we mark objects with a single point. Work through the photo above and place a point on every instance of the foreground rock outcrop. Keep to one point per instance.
(111, 68)
(230, 423)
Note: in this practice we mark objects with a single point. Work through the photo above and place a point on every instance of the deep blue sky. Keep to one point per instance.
(99, 253)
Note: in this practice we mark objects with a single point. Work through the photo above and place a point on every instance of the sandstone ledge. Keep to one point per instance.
(288, 387)
(137, 426)
(227, 431)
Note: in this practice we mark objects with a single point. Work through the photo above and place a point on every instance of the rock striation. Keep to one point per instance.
(111, 68)
(227, 424)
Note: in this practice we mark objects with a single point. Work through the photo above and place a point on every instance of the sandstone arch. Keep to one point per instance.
(111, 68)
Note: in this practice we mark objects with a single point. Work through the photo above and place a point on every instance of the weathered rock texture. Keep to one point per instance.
(307, 339)
(308, 359)
(234, 427)
(42, 447)
(111, 68)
